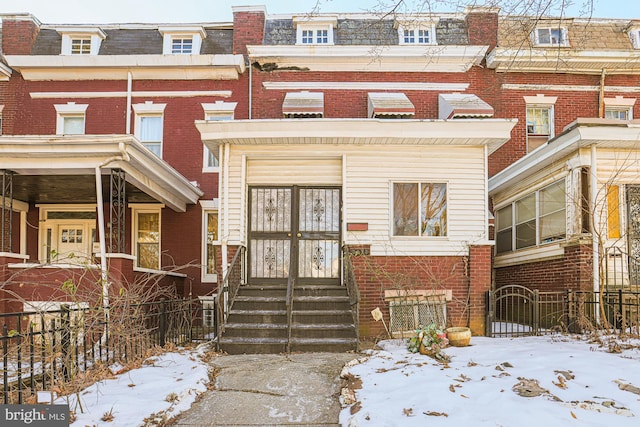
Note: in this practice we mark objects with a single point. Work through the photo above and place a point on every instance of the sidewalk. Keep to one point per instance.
(271, 390)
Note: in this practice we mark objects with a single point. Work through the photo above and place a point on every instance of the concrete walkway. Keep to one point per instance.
(271, 390)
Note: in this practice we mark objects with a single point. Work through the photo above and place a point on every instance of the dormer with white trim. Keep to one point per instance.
(182, 40)
(315, 30)
(80, 40)
(633, 30)
(416, 31)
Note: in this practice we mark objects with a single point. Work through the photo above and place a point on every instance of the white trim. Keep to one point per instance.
(414, 58)
(95, 35)
(221, 110)
(619, 101)
(70, 110)
(314, 24)
(563, 33)
(540, 99)
(139, 93)
(204, 276)
(197, 34)
(416, 24)
(380, 86)
(138, 208)
(149, 109)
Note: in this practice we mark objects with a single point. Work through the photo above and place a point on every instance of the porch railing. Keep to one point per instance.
(44, 349)
(229, 289)
(353, 292)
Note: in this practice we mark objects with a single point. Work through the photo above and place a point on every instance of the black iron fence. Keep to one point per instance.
(520, 311)
(48, 350)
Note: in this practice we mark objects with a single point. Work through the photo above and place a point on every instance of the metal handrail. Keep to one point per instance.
(289, 303)
(228, 291)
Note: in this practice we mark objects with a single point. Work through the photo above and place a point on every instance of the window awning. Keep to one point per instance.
(389, 104)
(455, 105)
(303, 103)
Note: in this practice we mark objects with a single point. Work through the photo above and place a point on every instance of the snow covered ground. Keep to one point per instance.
(534, 381)
(571, 381)
(162, 388)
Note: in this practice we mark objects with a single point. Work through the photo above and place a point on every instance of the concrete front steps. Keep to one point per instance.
(321, 320)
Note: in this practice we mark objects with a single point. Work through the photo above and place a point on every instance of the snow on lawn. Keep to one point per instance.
(162, 388)
(571, 381)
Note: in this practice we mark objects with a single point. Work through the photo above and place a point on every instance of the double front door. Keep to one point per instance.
(294, 231)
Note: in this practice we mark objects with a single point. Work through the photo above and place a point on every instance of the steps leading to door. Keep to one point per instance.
(321, 320)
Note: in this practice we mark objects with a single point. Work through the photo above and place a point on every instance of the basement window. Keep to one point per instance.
(409, 310)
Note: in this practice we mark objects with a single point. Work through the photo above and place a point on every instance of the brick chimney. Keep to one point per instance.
(19, 34)
(248, 27)
(482, 25)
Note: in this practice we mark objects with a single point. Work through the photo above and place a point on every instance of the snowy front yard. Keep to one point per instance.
(543, 381)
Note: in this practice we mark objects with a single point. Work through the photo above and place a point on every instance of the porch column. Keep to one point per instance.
(479, 285)
(117, 211)
(6, 226)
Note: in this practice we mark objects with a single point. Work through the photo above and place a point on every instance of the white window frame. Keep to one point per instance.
(170, 34)
(45, 223)
(149, 109)
(142, 208)
(562, 31)
(314, 25)
(540, 102)
(216, 111)
(95, 35)
(634, 36)
(416, 27)
(443, 233)
(537, 217)
(619, 104)
(67, 111)
(208, 207)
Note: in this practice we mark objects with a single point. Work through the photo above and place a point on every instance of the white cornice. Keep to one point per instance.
(135, 94)
(5, 73)
(373, 86)
(582, 133)
(565, 60)
(492, 133)
(81, 154)
(117, 67)
(370, 58)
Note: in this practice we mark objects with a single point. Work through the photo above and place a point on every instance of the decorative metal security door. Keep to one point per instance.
(294, 230)
(633, 237)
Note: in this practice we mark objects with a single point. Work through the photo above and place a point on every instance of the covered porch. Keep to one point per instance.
(85, 205)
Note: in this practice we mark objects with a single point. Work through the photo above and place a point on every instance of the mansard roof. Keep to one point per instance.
(134, 40)
(367, 30)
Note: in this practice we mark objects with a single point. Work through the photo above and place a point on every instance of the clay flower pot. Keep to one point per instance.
(459, 336)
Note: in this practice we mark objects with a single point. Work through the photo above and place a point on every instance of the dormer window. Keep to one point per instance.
(634, 36)
(416, 32)
(551, 36)
(81, 41)
(181, 40)
(314, 30)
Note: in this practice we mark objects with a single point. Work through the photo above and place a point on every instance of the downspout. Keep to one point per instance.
(129, 90)
(250, 87)
(601, 95)
(596, 225)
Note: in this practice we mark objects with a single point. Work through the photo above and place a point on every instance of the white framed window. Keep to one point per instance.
(210, 240)
(149, 125)
(81, 41)
(551, 36)
(419, 209)
(634, 36)
(67, 233)
(417, 33)
(540, 120)
(70, 118)
(314, 30)
(146, 235)
(408, 314)
(535, 219)
(619, 108)
(182, 40)
(216, 111)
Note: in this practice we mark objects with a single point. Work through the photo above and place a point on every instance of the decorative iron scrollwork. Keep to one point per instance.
(318, 257)
(318, 209)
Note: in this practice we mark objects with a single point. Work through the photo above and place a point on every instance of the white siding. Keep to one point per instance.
(370, 172)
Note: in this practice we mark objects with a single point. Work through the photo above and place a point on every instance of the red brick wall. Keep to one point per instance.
(574, 270)
(248, 29)
(469, 278)
(482, 28)
(18, 36)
